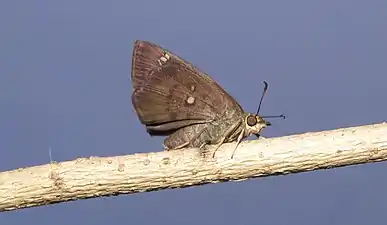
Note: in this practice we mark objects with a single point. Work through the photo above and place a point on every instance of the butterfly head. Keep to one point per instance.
(254, 124)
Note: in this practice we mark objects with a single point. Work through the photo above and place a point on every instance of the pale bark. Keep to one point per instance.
(104, 176)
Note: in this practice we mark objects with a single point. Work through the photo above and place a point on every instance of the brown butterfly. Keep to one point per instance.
(175, 99)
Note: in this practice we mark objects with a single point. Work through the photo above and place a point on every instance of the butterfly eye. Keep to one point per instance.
(251, 120)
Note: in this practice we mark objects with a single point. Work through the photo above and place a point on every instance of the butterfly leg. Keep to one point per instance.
(238, 142)
(203, 145)
(180, 146)
(228, 132)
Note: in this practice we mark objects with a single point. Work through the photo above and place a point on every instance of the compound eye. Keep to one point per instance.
(251, 120)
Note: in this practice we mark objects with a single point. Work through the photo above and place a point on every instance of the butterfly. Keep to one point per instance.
(175, 99)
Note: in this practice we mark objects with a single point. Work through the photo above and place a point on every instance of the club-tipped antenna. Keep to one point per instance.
(279, 116)
(263, 94)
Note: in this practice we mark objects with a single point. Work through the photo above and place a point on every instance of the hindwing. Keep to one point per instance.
(170, 93)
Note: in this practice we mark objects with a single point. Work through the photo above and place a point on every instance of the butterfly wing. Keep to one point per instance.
(170, 93)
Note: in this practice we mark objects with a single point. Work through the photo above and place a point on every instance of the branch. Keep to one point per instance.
(104, 176)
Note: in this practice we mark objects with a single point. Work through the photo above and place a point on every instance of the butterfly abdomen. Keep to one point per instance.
(201, 134)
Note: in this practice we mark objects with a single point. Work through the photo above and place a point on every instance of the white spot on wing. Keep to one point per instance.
(163, 59)
(190, 100)
(167, 56)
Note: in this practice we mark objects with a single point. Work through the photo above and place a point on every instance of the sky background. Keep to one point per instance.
(65, 85)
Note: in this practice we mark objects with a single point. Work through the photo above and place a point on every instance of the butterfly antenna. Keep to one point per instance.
(263, 94)
(280, 116)
(260, 103)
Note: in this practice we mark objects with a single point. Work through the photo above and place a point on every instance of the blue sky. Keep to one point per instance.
(65, 85)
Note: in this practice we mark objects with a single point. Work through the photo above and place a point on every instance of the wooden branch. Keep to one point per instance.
(104, 176)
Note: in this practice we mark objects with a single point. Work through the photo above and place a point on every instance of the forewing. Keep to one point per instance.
(169, 93)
